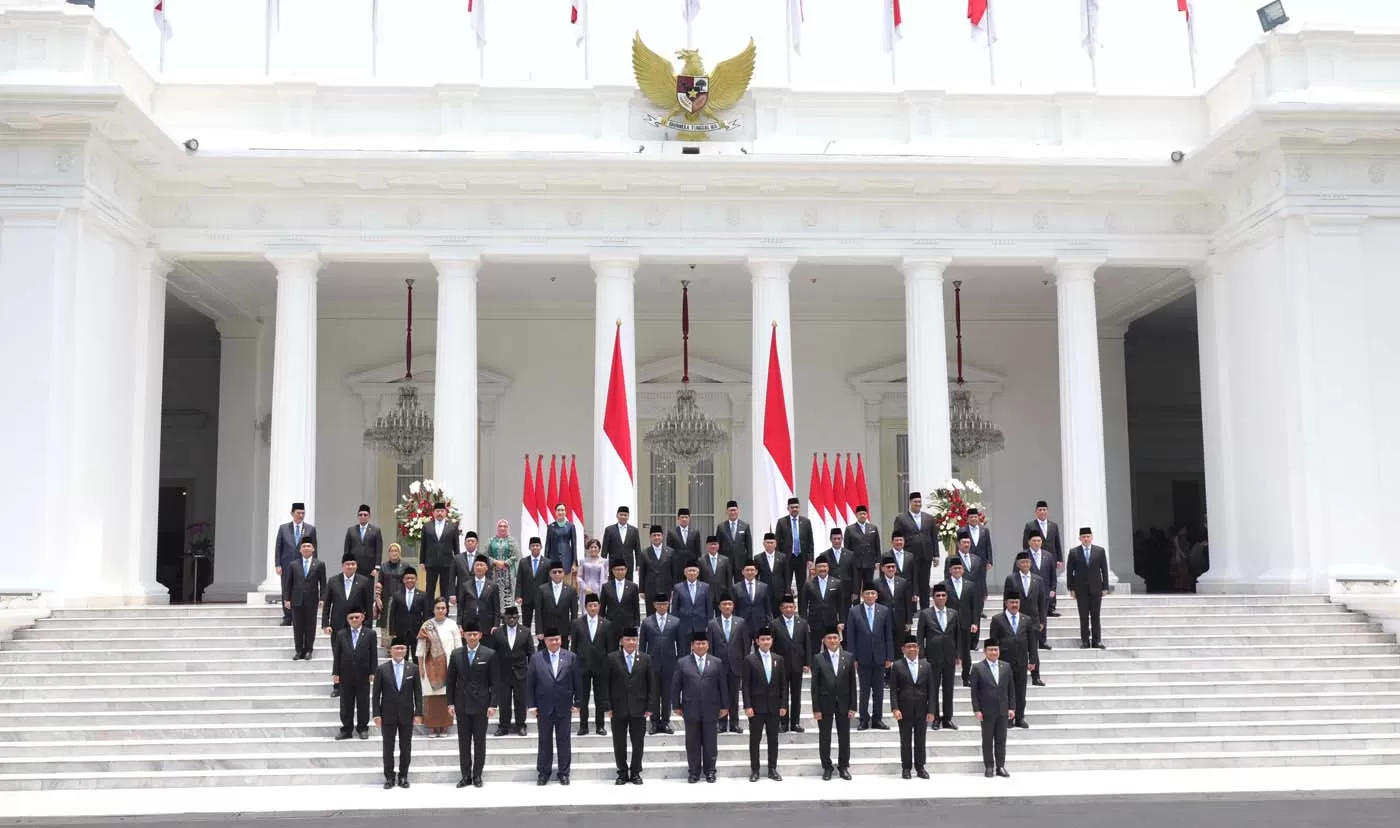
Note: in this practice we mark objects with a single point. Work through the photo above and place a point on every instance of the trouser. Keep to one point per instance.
(1089, 604)
(732, 704)
(471, 743)
(842, 721)
(794, 710)
(966, 653)
(701, 744)
(443, 575)
(555, 732)
(660, 695)
(354, 705)
(401, 730)
(943, 678)
(923, 567)
(758, 726)
(913, 738)
(994, 739)
(596, 685)
(512, 698)
(624, 729)
(527, 616)
(872, 682)
(303, 628)
(1018, 680)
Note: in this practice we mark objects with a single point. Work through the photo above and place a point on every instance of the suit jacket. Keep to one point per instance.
(763, 695)
(782, 527)
(528, 581)
(942, 646)
(368, 552)
(303, 589)
(865, 544)
(514, 660)
(845, 569)
(657, 576)
(870, 644)
(686, 550)
(435, 551)
(560, 614)
(901, 601)
(793, 648)
(630, 694)
(974, 569)
(338, 604)
(662, 644)
(777, 576)
(825, 611)
(833, 693)
(622, 610)
(982, 545)
(719, 575)
(755, 611)
(484, 610)
(463, 568)
(396, 704)
(694, 615)
(286, 547)
(354, 664)
(552, 694)
(1047, 570)
(473, 687)
(918, 540)
(593, 652)
(732, 651)
(736, 546)
(700, 696)
(969, 607)
(629, 547)
(992, 697)
(1020, 648)
(1053, 540)
(406, 620)
(1086, 576)
(1034, 602)
(912, 697)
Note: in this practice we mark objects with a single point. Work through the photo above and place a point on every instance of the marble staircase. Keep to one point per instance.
(208, 696)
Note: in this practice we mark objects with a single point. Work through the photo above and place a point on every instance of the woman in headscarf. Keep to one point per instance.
(437, 639)
(504, 551)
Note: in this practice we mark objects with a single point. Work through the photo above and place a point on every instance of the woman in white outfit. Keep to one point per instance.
(437, 639)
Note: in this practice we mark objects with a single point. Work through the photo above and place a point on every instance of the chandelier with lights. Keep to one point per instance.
(685, 434)
(973, 436)
(405, 432)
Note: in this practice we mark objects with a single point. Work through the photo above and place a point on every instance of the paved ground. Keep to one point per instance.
(1361, 810)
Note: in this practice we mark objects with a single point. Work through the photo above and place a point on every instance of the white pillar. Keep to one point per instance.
(926, 363)
(239, 514)
(148, 330)
(614, 313)
(772, 311)
(292, 462)
(455, 381)
(1118, 530)
(1082, 468)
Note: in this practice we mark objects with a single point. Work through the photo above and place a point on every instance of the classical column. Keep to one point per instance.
(292, 461)
(238, 515)
(614, 318)
(1215, 426)
(926, 364)
(772, 313)
(454, 381)
(1082, 468)
(148, 352)
(1118, 530)
(873, 408)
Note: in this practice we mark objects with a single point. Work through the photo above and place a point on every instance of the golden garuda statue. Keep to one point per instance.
(693, 99)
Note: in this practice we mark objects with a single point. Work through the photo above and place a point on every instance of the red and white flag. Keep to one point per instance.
(542, 517)
(578, 17)
(161, 23)
(1089, 26)
(1184, 6)
(839, 497)
(777, 436)
(795, 18)
(476, 13)
(816, 508)
(979, 14)
(615, 473)
(854, 497)
(529, 527)
(551, 497)
(833, 513)
(894, 24)
(863, 494)
(575, 496)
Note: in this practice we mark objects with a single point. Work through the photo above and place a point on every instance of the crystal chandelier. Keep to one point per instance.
(685, 434)
(973, 436)
(406, 431)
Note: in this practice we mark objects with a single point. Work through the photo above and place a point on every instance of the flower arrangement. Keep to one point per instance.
(415, 510)
(949, 504)
(201, 538)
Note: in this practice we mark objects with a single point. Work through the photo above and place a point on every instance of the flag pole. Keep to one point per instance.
(164, 36)
(689, 24)
(991, 47)
(374, 39)
(789, 44)
(267, 39)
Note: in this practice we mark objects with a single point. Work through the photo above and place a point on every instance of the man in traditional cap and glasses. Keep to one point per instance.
(287, 545)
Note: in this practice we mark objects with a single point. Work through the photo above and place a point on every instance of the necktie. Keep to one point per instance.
(914, 670)
(510, 637)
(992, 665)
(942, 621)
(354, 639)
(870, 616)
(1086, 554)
(767, 668)
(726, 629)
(702, 664)
(592, 628)
(480, 585)
(1026, 584)
(535, 565)
(657, 550)
(554, 665)
(398, 675)
(1036, 556)
(347, 587)
(629, 663)
(408, 599)
(1013, 623)
(733, 528)
(297, 532)
(796, 539)
(471, 658)
(692, 592)
(750, 590)
(789, 626)
(821, 586)
(917, 523)
(362, 534)
(684, 535)
(306, 567)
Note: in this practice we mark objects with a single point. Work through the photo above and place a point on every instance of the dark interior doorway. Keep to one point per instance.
(170, 541)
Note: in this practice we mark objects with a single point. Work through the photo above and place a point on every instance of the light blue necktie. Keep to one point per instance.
(1086, 554)
(297, 529)
(398, 675)
(914, 671)
(362, 534)
(726, 629)
(354, 639)
(942, 621)
(796, 539)
(554, 665)
(629, 663)
(348, 582)
(1013, 623)
(471, 658)
(870, 616)
(700, 662)
(692, 592)
(535, 565)
(306, 567)
(767, 667)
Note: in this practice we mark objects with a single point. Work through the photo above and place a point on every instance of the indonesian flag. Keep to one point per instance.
(690, 10)
(1089, 25)
(476, 13)
(541, 501)
(842, 505)
(274, 15)
(577, 17)
(777, 436)
(552, 494)
(795, 18)
(816, 506)
(833, 513)
(161, 23)
(1184, 6)
(862, 492)
(575, 497)
(615, 473)
(854, 497)
(894, 22)
(979, 14)
(529, 527)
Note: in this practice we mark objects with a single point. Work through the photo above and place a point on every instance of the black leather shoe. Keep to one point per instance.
(543, 780)
(990, 773)
(753, 777)
(668, 730)
(798, 729)
(403, 781)
(463, 782)
(477, 783)
(363, 734)
(879, 724)
(935, 725)
(388, 784)
(296, 657)
(563, 779)
(583, 730)
(600, 731)
(921, 773)
(775, 776)
(1083, 645)
(1100, 646)
(522, 730)
(692, 778)
(1046, 647)
(948, 725)
(1003, 774)
(967, 682)
(827, 774)
(1038, 683)
(621, 779)
(285, 623)
(844, 774)
(863, 726)
(342, 735)
(1021, 723)
(636, 779)
(501, 731)
(710, 777)
(906, 774)
(1054, 614)
(783, 727)
(335, 692)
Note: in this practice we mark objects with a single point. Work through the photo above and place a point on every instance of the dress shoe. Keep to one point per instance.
(1021, 723)
(583, 730)
(906, 774)
(753, 777)
(990, 773)
(827, 774)
(967, 682)
(775, 776)
(1003, 774)
(403, 781)
(600, 731)
(921, 773)
(342, 735)
(477, 783)
(798, 729)
(692, 778)
(1046, 647)
(1054, 614)
(652, 730)
(522, 730)
(335, 692)
(543, 780)
(948, 725)
(285, 623)
(636, 779)
(1083, 645)
(863, 726)
(782, 727)
(710, 777)
(844, 774)
(1038, 682)
(668, 730)
(363, 734)
(388, 784)
(737, 729)
(501, 731)
(879, 724)
(463, 782)
(1100, 646)
(621, 779)
(934, 725)
(296, 657)
(563, 779)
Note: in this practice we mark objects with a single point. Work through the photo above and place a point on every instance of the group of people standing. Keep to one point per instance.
(706, 628)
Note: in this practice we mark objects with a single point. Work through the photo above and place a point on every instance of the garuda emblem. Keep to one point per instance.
(692, 99)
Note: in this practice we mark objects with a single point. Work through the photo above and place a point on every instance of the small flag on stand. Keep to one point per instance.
(777, 436)
(529, 527)
(894, 24)
(575, 498)
(795, 17)
(541, 500)
(161, 23)
(578, 13)
(1185, 7)
(476, 13)
(863, 494)
(816, 507)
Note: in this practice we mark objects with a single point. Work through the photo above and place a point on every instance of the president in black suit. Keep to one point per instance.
(911, 698)
(657, 566)
(409, 610)
(752, 600)
(556, 604)
(994, 704)
(870, 639)
(796, 543)
(286, 545)
(398, 706)
(863, 540)
(345, 593)
(729, 641)
(367, 542)
(303, 583)
(354, 652)
(921, 542)
(473, 679)
(661, 639)
(764, 678)
(620, 597)
(630, 694)
(699, 692)
(553, 686)
(735, 538)
(834, 702)
(1053, 543)
(715, 568)
(513, 645)
(591, 641)
(944, 648)
(792, 639)
(693, 601)
(1015, 632)
(437, 550)
(478, 597)
(1086, 574)
(684, 539)
(621, 540)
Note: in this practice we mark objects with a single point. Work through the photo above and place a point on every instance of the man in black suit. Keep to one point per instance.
(796, 544)
(693, 601)
(911, 698)
(774, 568)
(661, 640)
(354, 653)
(621, 599)
(591, 641)
(943, 647)
(1016, 633)
(409, 610)
(735, 541)
(1086, 574)
(398, 706)
(870, 639)
(286, 545)
(981, 537)
(792, 640)
(1053, 543)
(1044, 564)
(824, 603)
(752, 601)
(966, 599)
(478, 597)
(896, 594)
(621, 540)
(699, 693)
(656, 565)
(842, 562)
(994, 704)
(464, 565)
(557, 604)
(729, 640)
(764, 679)
(683, 539)
(367, 542)
(715, 568)
(472, 690)
(344, 593)
(1035, 599)
(438, 549)
(513, 645)
(973, 567)
(921, 542)
(834, 702)
(863, 540)
(630, 694)
(303, 583)
(553, 685)
(530, 574)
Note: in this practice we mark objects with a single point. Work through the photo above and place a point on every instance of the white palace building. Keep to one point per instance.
(1175, 301)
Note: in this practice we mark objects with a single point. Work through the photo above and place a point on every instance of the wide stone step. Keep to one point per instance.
(174, 613)
(1227, 642)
